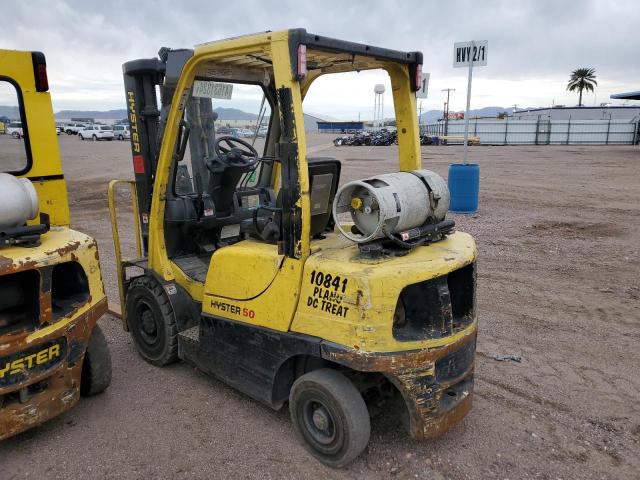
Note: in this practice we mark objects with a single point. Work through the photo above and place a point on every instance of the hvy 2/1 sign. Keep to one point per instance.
(464, 52)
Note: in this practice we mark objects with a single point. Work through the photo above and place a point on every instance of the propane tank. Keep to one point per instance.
(390, 203)
(18, 201)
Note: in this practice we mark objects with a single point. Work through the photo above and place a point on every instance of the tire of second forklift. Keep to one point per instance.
(96, 367)
(339, 407)
(152, 321)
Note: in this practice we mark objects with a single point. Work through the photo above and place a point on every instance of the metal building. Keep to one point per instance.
(627, 96)
(339, 127)
(613, 112)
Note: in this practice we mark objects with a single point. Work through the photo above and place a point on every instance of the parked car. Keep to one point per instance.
(96, 132)
(73, 128)
(224, 131)
(121, 132)
(245, 133)
(14, 129)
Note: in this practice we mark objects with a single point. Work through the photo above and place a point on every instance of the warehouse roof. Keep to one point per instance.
(627, 96)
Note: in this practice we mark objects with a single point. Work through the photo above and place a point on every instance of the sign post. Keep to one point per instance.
(469, 54)
(464, 178)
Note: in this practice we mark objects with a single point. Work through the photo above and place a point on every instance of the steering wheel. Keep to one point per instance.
(235, 152)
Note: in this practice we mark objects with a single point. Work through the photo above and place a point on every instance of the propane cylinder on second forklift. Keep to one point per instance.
(254, 266)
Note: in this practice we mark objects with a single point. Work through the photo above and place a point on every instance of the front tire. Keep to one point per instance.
(96, 368)
(329, 416)
(120, 137)
(152, 321)
(81, 137)
(94, 138)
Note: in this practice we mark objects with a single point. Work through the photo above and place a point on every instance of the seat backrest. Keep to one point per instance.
(324, 176)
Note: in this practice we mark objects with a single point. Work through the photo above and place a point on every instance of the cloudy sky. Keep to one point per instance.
(533, 45)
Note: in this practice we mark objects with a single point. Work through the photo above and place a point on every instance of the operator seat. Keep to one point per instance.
(324, 177)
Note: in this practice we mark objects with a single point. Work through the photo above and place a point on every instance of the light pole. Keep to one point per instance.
(446, 113)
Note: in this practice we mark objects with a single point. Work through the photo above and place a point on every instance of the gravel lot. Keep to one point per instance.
(559, 237)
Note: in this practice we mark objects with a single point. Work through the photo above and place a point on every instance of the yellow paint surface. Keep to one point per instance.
(42, 138)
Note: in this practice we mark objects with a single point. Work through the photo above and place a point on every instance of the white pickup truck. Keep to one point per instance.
(73, 128)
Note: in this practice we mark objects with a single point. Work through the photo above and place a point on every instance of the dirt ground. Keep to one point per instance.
(558, 232)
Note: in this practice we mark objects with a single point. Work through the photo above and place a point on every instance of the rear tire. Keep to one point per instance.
(94, 138)
(152, 322)
(120, 137)
(329, 416)
(81, 137)
(96, 368)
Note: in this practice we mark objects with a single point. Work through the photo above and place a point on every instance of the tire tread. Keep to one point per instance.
(96, 368)
(160, 296)
(350, 401)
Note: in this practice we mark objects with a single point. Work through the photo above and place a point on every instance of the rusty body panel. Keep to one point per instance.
(60, 389)
(41, 361)
(436, 384)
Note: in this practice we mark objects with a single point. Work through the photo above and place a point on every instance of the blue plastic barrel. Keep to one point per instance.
(464, 185)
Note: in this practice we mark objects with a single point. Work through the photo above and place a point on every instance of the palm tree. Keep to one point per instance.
(582, 79)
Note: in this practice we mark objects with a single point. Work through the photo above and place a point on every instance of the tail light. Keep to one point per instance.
(40, 71)
(302, 61)
(418, 78)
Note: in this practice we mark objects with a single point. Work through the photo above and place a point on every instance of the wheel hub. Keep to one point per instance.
(319, 422)
(148, 324)
(321, 418)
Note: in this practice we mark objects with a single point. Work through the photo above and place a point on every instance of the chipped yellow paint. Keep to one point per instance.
(60, 244)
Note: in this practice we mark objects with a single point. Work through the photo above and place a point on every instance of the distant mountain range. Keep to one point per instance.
(234, 114)
(223, 114)
(11, 112)
(227, 113)
(102, 115)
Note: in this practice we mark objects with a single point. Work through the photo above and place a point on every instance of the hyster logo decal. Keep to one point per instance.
(233, 309)
(133, 122)
(28, 362)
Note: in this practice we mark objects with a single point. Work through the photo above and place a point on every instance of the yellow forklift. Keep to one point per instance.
(51, 291)
(258, 269)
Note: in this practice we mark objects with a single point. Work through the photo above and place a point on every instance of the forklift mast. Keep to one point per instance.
(143, 79)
